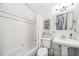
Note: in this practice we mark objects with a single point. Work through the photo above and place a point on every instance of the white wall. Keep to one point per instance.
(17, 29)
(77, 22)
(39, 29)
(77, 26)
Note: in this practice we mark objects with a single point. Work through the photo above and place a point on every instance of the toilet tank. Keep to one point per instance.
(45, 42)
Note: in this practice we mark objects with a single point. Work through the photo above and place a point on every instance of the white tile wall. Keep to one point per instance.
(17, 29)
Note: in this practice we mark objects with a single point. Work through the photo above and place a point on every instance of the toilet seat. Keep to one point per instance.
(42, 52)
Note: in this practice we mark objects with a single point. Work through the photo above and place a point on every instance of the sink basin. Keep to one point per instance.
(66, 41)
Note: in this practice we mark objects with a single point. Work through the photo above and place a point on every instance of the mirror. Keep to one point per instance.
(58, 22)
(65, 21)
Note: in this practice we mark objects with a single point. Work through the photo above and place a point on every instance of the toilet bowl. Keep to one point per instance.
(42, 52)
(45, 45)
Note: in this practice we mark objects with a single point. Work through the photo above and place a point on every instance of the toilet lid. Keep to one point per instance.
(42, 51)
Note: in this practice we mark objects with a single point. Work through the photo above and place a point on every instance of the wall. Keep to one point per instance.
(17, 29)
(77, 26)
(77, 22)
(39, 29)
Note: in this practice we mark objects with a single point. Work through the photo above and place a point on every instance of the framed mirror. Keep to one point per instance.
(65, 21)
(59, 22)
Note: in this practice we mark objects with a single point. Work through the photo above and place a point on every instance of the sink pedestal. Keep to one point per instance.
(64, 50)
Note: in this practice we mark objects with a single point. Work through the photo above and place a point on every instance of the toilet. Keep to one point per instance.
(45, 44)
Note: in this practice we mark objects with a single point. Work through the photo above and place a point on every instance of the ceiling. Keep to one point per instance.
(44, 9)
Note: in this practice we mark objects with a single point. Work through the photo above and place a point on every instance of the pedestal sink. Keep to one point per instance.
(65, 43)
